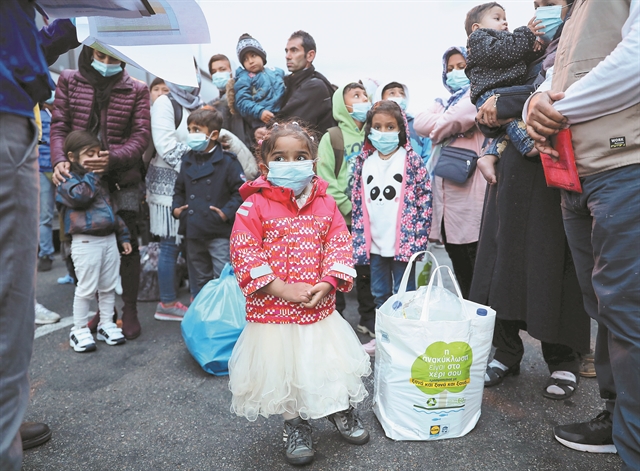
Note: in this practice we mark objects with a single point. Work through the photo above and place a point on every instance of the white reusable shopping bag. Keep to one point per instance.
(429, 375)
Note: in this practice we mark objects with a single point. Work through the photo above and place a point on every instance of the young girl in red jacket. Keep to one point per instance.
(291, 250)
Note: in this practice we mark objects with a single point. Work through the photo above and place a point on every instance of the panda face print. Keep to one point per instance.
(390, 191)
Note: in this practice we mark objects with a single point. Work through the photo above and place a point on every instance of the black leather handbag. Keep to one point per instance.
(456, 164)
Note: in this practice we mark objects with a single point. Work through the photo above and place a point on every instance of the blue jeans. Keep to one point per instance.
(47, 195)
(603, 231)
(167, 269)
(516, 130)
(386, 274)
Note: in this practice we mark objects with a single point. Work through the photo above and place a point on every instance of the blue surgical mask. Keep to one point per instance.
(384, 142)
(293, 175)
(106, 70)
(456, 79)
(401, 101)
(51, 100)
(198, 141)
(220, 79)
(360, 111)
(551, 18)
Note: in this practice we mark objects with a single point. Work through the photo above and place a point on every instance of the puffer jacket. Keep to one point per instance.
(274, 238)
(126, 134)
(86, 208)
(258, 92)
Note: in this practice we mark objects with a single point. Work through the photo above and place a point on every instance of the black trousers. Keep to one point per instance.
(509, 348)
(463, 259)
(366, 305)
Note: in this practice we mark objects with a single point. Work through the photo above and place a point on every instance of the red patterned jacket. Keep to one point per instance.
(273, 238)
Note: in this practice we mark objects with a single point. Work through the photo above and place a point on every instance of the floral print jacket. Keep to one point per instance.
(414, 218)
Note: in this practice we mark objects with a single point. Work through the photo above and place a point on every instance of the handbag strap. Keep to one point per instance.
(407, 271)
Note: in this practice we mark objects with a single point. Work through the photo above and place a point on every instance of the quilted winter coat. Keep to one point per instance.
(128, 124)
(273, 238)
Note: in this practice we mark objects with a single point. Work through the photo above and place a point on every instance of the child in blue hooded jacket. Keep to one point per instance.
(258, 90)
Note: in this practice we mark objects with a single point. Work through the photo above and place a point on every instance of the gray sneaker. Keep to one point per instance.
(170, 313)
(298, 448)
(350, 426)
(45, 316)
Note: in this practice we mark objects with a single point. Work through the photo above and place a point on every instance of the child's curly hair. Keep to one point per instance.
(288, 128)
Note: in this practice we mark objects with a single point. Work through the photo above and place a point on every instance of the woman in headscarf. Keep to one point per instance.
(103, 99)
(457, 208)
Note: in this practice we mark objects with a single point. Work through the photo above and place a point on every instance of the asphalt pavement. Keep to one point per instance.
(147, 405)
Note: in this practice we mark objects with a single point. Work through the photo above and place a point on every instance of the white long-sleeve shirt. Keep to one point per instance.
(611, 86)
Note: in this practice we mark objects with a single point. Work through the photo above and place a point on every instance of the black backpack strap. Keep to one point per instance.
(337, 144)
(177, 111)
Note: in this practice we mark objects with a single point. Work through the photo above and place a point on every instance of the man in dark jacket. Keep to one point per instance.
(308, 94)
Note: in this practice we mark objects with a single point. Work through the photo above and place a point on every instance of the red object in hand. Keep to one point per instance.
(562, 173)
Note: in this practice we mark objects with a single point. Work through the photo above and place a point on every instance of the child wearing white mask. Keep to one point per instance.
(206, 198)
(499, 58)
(291, 250)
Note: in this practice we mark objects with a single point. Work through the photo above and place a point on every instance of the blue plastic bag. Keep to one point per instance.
(214, 321)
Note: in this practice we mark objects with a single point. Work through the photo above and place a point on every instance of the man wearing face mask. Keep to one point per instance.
(399, 93)
(103, 99)
(222, 78)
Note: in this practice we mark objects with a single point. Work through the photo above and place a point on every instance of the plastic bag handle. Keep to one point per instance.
(425, 306)
(407, 271)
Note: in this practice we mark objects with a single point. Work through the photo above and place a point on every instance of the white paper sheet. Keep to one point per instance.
(174, 22)
(112, 8)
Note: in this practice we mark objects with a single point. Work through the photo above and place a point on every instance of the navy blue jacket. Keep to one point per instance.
(208, 180)
(25, 53)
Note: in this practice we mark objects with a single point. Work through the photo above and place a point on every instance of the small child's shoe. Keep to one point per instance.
(66, 280)
(111, 334)
(350, 426)
(370, 347)
(81, 340)
(298, 446)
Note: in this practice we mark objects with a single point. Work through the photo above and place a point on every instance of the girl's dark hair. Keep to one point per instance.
(391, 108)
(75, 143)
(288, 128)
(476, 14)
(208, 117)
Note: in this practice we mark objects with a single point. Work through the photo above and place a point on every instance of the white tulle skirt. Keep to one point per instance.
(312, 370)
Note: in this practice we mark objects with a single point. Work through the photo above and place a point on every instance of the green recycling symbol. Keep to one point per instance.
(431, 401)
(443, 366)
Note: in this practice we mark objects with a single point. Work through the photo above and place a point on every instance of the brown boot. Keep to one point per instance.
(130, 323)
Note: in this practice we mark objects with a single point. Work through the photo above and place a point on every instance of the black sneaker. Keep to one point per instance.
(298, 448)
(350, 426)
(595, 436)
(44, 264)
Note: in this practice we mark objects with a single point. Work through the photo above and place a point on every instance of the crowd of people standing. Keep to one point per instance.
(309, 189)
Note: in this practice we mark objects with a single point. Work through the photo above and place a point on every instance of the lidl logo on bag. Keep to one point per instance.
(443, 366)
